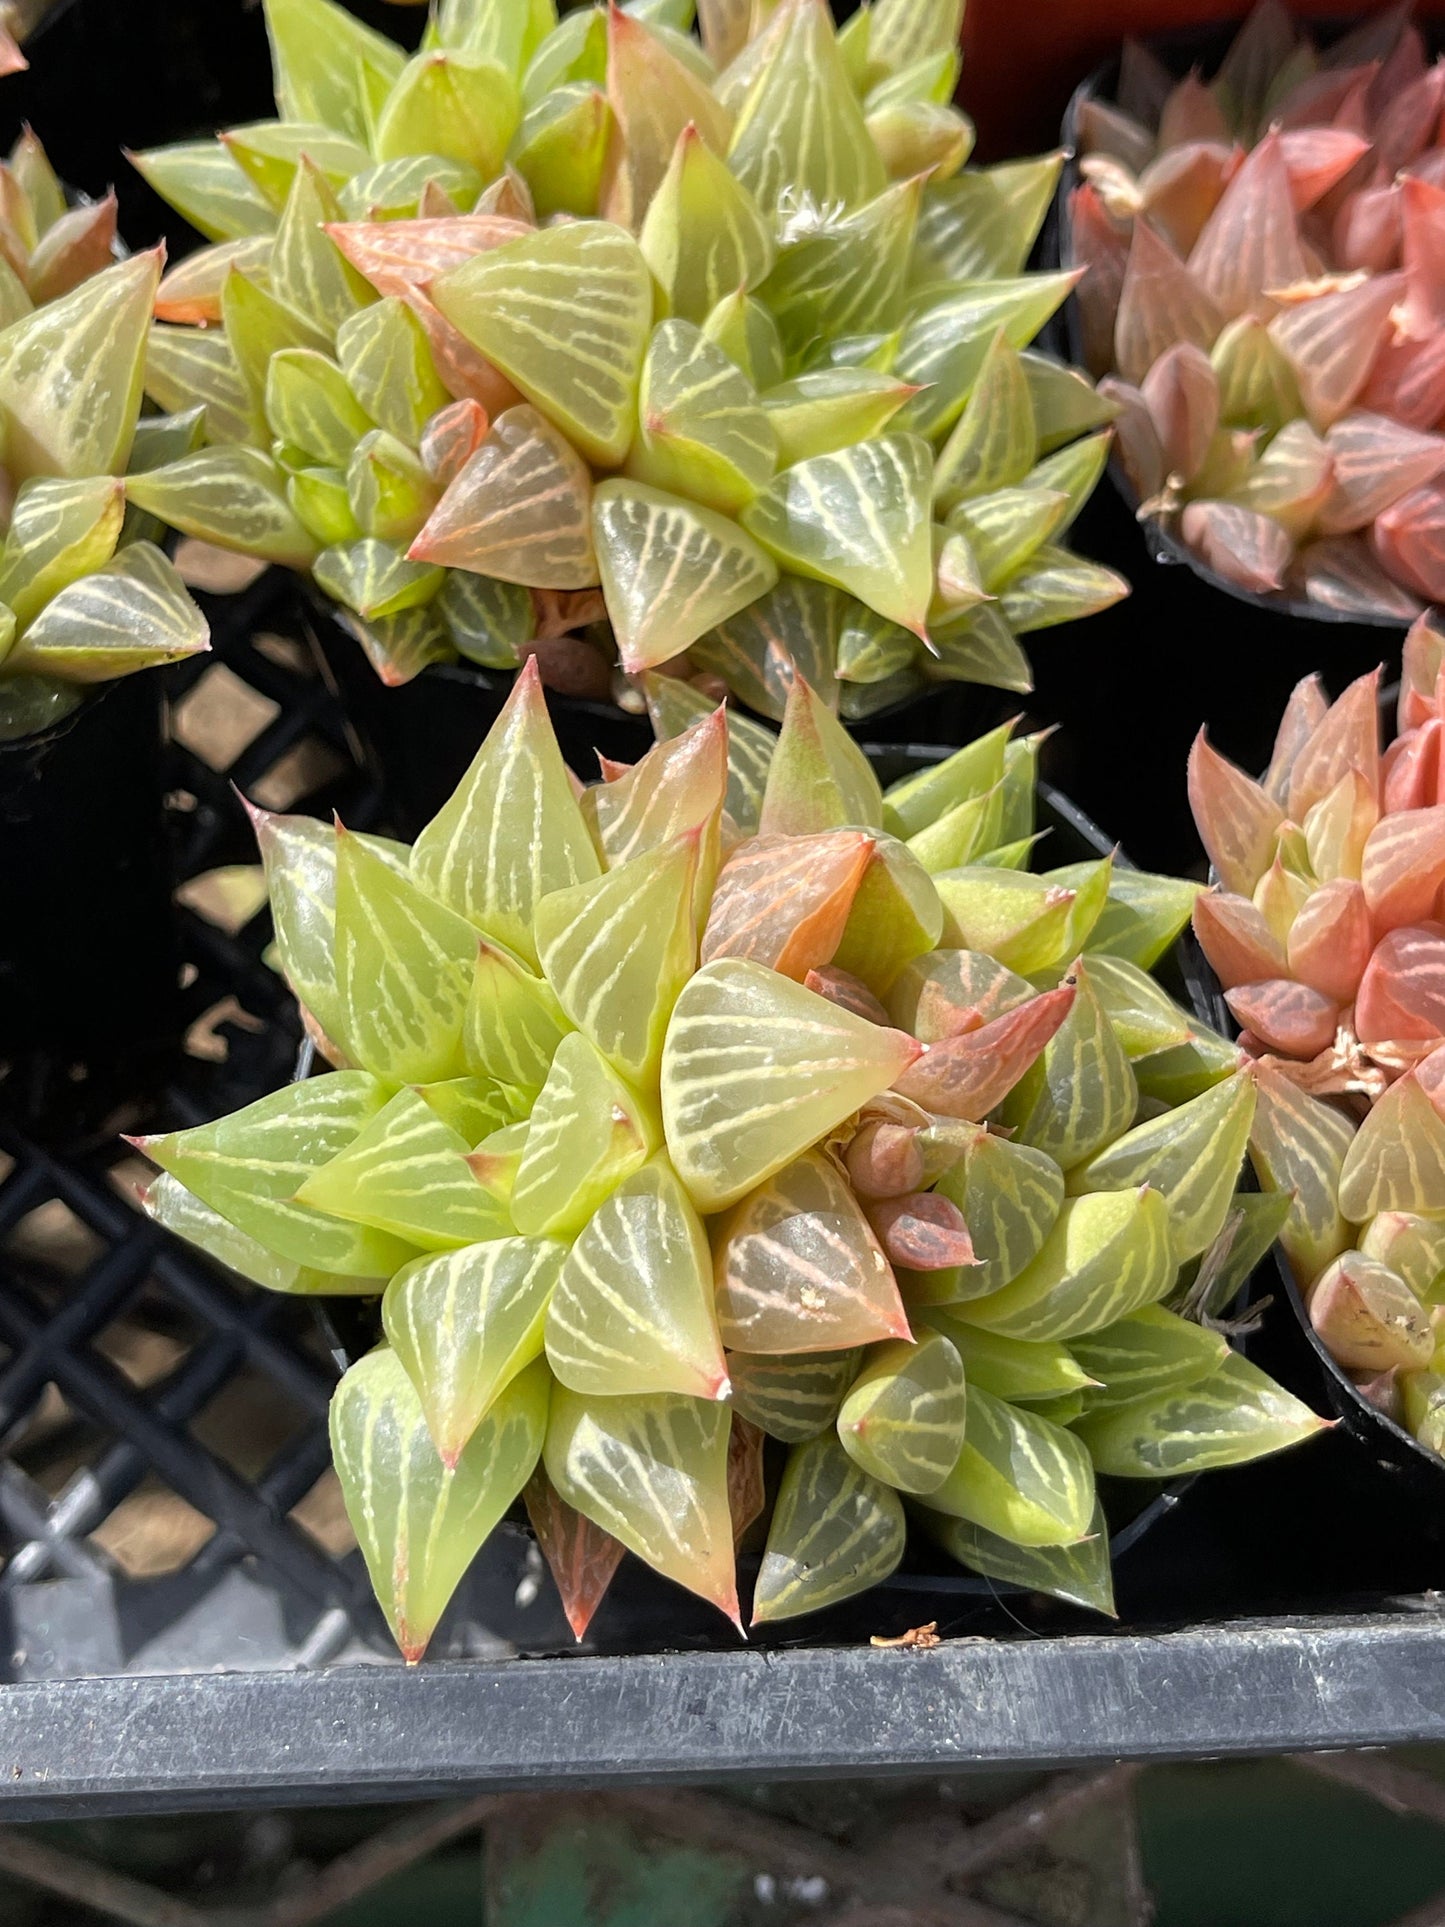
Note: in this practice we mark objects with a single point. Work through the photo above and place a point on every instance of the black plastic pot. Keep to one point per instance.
(1187, 647)
(1393, 1448)
(89, 963)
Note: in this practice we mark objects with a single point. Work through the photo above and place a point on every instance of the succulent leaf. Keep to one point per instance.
(835, 1531)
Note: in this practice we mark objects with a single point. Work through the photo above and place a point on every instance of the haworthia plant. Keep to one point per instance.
(85, 593)
(656, 1142)
(803, 423)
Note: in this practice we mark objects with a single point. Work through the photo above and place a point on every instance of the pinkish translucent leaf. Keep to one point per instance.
(884, 1159)
(1331, 341)
(1411, 769)
(1404, 867)
(1237, 819)
(1102, 251)
(1316, 100)
(1329, 941)
(1145, 83)
(1368, 230)
(798, 1268)
(1341, 572)
(1191, 113)
(1245, 548)
(966, 1075)
(451, 438)
(1161, 302)
(1407, 381)
(1136, 438)
(1182, 393)
(1409, 539)
(1346, 738)
(582, 1557)
(1306, 709)
(1286, 1017)
(1402, 992)
(784, 901)
(1106, 129)
(1375, 462)
(1181, 189)
(1421, 663)
(1422, 209)
(1240, 946)
(841, 987)
(1315, 158)
(1407, 126)
(1250, 244)
(923, 1231)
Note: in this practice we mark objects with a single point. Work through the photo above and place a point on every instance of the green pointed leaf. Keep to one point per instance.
(703, 236)
(905, 31)
(132, 613)
(310, 406)
(1066, 403)
(827, 409)
(512, 832)
(633, 1312)
(1143, 916)
(1025, 1371)
(374, 578)
(561, 150)
(845, 276)
(819, 779)
(835, 1531)
(462, 106)
(944, 347)
(72, 373)
(860, 520)
(234, 497)
(896, 916)
(655, 92)
(518, 305)
(755, 1069)
(407, 1173)
(903, 1420)
(197, 368)
(59, 531)
(201, 180)
(748, 335)
(871, 651)
(671, 570)
(983, 223)
(170, 1204)
(1080, 1094)
(799, 1269)
(1005, 528)
(388, 367)
(1018, 1476)
(505, 31)
(791, 1396)
(1078, 1574)
(269, 153)
(1397, 1159)
(1413, 1247)
(981, 649)
(1235, 1415)
(488, 621)
(474, 1107)
(308, 270)
(676, 790)
(916, 801)
(1299, 1145)
(675, 706)
(1144, 1017)
(299, 855)
(404, 967)
(400, 646)
(652, 1472)
(395, 190)
(1074, 471)
(1020, 919)
(465, 1324)
(1151, 1351)
(1107, 1255)
(575, 49)
(1010, 1196)
(248, 1166)
(702, 432)
(1191, 1154)
(994, 441)
(589, 1133)
(259, 326)
(618, 949)
(1056, 587)
(390, 492)
(419, 1522)
(329, 66)
(796, 623)
(962, 835)
(799, 127)
(513, 1022)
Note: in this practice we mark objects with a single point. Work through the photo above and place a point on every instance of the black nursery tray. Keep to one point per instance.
(181, 1623)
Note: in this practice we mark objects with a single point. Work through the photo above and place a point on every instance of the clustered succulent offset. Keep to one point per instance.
(85, 595)
(736, 1098)
(1264, 280)
(1326, 932)
(592, 335)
